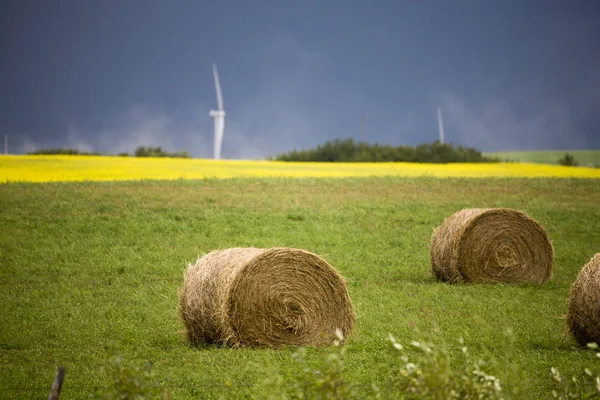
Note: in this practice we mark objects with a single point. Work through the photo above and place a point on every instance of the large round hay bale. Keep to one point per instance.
(491, 245)
(264, 297)
(583, 318)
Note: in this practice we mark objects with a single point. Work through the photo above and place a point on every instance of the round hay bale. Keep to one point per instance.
(491, 245)
(583, 318)
(244, 297)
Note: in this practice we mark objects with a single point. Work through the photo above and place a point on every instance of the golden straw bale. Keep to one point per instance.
(245, 297)
(583, 318)
(491, 245)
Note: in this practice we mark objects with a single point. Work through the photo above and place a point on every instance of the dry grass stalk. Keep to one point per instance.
(491, 245)
(244, 297)
(583, 318)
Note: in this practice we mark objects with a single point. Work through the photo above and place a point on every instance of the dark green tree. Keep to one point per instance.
(568, 160)
(347, 150)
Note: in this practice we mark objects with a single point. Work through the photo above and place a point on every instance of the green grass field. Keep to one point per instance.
(91, 271)
(585, 158)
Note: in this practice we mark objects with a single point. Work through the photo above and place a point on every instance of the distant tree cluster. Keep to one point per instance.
(347, 150)
(142, 151)
(568, 160)
(63, 152)
(148, 151)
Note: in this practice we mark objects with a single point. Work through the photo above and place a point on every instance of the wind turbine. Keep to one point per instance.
(219, 116)
(362, 128)
(440, 125)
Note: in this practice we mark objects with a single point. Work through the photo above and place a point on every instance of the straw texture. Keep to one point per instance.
(246, 297)
(583, 318)
(491, 245)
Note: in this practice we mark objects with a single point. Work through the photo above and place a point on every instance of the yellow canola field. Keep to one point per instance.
(111, 168)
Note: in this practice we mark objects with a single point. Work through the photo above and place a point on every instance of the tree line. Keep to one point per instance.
(347, 150)
(141, 151)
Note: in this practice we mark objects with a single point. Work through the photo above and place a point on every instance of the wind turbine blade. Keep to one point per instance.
(218, 87)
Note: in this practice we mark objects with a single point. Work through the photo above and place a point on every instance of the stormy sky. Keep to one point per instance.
(112, 75)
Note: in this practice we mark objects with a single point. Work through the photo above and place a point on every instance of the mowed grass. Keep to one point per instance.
(585, 158)
(90, 271)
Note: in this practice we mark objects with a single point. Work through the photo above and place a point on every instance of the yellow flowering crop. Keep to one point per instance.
(111, 168)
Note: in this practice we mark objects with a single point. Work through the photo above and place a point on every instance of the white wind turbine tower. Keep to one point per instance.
(219, 116)
(440, 125)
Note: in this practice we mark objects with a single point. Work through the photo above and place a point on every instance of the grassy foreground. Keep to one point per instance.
(91, 271)
(585, 158)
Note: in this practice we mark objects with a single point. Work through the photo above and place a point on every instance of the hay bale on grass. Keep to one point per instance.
(264, 297)
(583, 318)
(491, 245)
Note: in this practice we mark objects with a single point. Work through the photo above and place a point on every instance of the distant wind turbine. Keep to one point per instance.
(219, 116)
(440, 125)
(362, 128)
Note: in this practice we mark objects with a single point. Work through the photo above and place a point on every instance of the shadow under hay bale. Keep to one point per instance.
(583, 318)
(491, 245)
(243, 297)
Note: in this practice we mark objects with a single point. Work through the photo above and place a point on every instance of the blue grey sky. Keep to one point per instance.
(112, 75)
